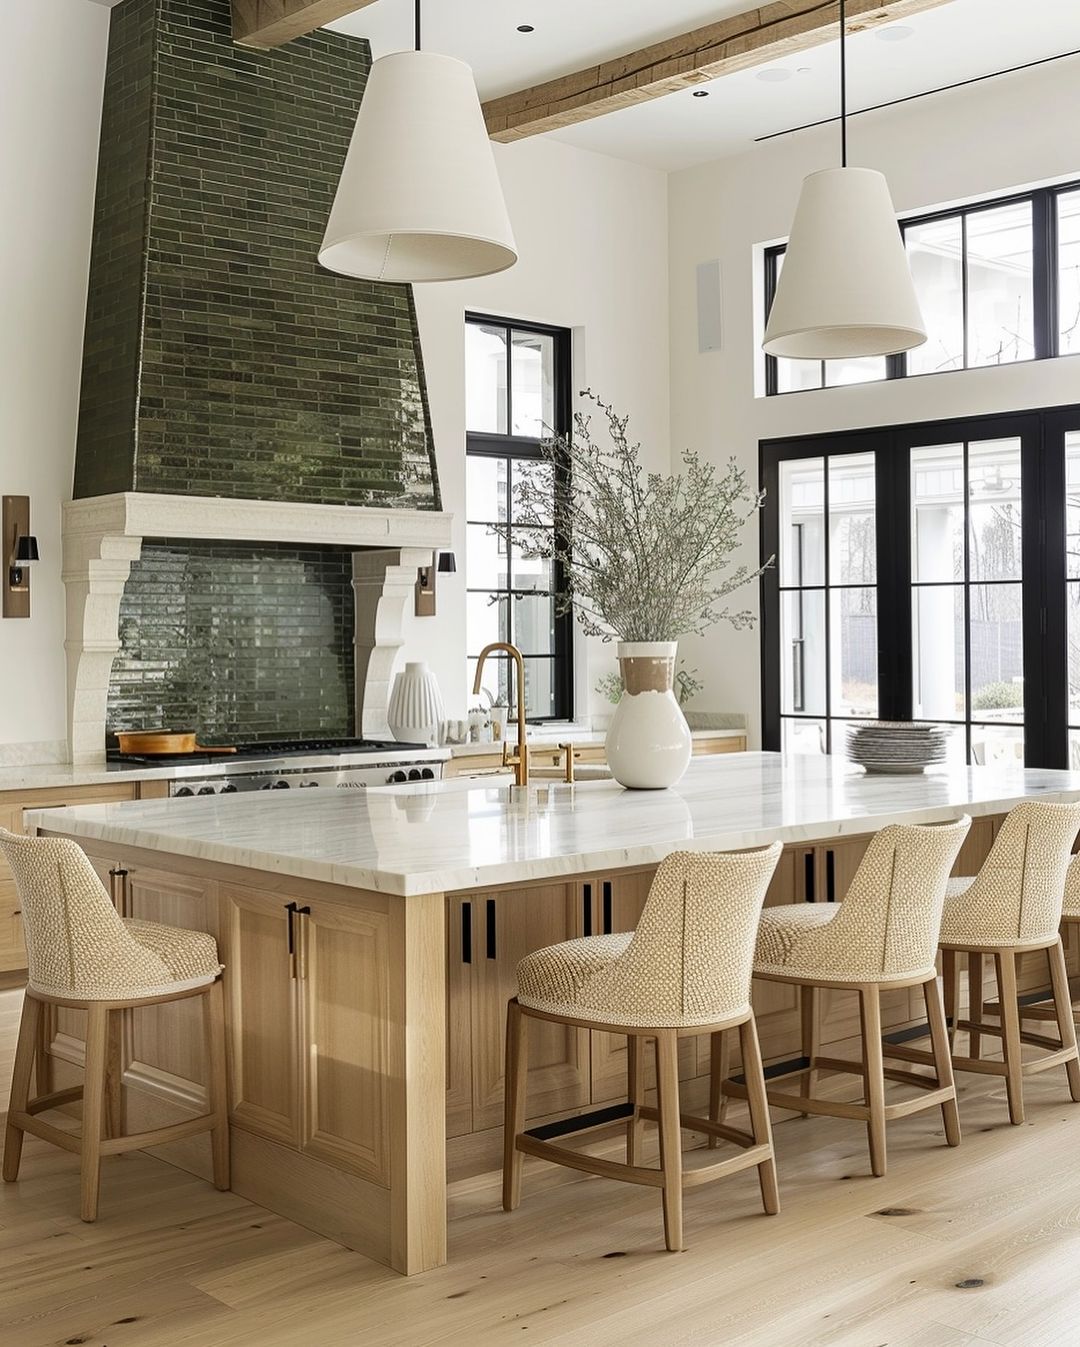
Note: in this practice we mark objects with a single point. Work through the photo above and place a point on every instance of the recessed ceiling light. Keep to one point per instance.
(774, 75)
(895, 32)
(525, 28)
(701, 93)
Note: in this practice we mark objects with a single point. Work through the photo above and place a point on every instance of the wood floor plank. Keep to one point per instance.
(972, 1247)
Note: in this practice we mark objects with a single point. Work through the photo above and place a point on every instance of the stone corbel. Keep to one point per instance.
(384, 582)
(96, 568)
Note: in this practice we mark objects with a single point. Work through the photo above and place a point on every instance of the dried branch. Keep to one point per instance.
(641, 553)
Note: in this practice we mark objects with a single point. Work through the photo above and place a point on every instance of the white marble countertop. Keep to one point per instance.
(461, 834)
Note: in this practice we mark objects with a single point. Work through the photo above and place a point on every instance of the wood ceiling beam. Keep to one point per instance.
(270, 23)
(756, 37)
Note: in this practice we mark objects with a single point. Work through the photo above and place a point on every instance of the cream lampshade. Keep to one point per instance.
(846, 287)
(419, 197)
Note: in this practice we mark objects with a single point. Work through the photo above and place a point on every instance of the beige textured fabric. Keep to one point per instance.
(77, 944)
(886, 929)
(1070, 910)
(1017, 895)
(687, 963)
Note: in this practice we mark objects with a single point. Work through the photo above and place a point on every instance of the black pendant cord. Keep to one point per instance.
(416, 24)
(843, 82)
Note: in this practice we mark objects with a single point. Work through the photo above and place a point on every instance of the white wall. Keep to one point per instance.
(52, 71)
(592, 239)
(1011, 131)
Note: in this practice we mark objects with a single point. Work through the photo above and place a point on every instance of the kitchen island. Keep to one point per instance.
(370, 940)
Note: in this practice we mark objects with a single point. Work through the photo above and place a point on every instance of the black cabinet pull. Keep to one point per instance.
(491, 945)
(291, 909)
(466, 932)
(830, 875)
(586, 924)
(606, 891)
(808, 862)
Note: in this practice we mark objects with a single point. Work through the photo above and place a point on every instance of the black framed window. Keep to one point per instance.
(998, 282)
(517, 392)
(954, 548)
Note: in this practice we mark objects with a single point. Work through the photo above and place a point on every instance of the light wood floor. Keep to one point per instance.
(979, 1245)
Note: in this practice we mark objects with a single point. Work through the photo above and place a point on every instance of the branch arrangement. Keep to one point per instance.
(641, 554)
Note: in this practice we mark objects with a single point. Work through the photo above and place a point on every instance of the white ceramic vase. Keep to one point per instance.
(648, 741)
(415, 712)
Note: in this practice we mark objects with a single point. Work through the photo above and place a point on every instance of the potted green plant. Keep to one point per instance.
(644, 559)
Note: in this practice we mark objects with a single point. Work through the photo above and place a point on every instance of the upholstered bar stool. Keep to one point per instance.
(1011, 907)
(884, 934)
(684, 971)
(1033, 1005)
(83, 955)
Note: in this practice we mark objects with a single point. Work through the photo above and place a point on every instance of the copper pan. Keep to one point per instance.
(149, 742)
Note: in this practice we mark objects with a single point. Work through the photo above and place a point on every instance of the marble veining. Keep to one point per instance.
(457, 835)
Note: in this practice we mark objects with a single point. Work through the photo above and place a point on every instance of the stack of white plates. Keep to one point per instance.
(896, 746)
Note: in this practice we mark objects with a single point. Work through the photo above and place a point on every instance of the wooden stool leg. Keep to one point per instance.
(517, 1062)
(635, 1094)
(1010, 1041)
(758, 1102)
(873, 1075)
(975, 999)
(943, 1068)
(667, 1085)
(950, 980)
(25, 1052)
(114, 1076)
(811, 1034)
(217, 1083)
(44, 1082)
(719, 1070)
(1059, 980)
(93, 1119)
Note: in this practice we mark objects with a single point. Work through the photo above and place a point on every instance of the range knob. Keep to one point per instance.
(228, 790)
(427, 774)
(281, 785)
(397, 777)
(206, 790)
(185, 790)
(414, 775)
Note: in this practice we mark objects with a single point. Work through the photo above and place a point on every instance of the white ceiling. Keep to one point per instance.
(957, 41)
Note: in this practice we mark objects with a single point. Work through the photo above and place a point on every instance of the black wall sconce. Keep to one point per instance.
(446, 564)
(20, 550)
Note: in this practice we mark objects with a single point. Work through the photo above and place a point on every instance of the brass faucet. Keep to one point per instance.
(519, 761)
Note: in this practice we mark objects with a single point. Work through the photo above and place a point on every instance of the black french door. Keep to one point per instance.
(927, 572)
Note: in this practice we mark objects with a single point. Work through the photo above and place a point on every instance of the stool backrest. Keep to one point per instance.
(1018, 892)
(690, 959)
(890, 919)
(75, 938)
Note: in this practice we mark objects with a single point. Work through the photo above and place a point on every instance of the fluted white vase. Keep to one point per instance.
(648, 742)
(415, 712)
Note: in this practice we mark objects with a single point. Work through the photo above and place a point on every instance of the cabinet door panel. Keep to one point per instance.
(506, 927)
(344, 968)
(459, 1048)
(168, 1040)
(261, 1005)
(12, 947)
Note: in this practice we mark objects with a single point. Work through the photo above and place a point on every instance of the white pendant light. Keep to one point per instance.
(419, 197)
(845, 288)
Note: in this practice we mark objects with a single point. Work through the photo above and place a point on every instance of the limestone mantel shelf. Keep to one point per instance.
(103, 535)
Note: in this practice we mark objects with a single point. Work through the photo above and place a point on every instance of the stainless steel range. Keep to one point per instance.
(300, 765)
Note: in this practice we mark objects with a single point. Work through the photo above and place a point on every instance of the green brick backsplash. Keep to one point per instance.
(237, 641)
(220, 358)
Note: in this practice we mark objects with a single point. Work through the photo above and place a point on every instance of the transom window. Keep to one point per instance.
(517, 393)
(998, 282)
